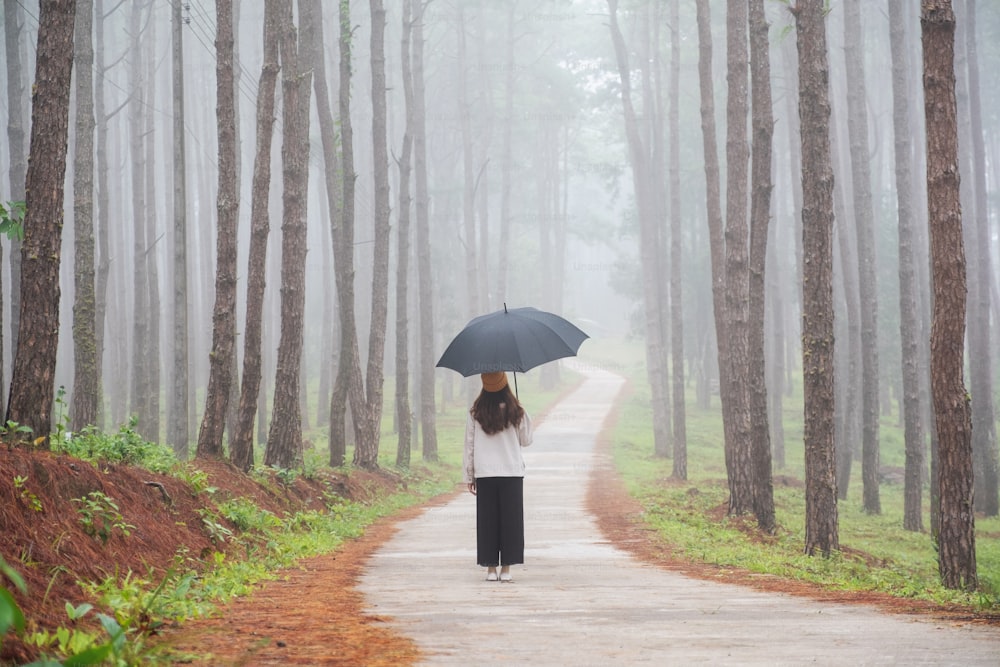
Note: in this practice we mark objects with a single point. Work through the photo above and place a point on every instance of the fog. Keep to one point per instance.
(543, 72)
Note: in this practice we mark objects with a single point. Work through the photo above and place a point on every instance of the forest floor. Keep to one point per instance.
(293, 619)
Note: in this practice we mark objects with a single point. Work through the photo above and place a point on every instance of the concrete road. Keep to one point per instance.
(578, 600)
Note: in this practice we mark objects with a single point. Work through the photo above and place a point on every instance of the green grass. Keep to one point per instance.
(877, 554)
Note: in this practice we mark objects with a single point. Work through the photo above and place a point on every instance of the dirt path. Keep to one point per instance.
(405, 593)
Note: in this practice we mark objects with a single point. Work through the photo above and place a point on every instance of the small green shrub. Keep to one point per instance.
(246, 516)
(29, 498)
(124, 446)
(99, 516)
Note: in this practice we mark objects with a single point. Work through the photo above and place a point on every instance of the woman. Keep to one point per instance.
(497, 429)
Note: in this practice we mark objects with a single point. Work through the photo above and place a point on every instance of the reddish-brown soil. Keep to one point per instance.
(42, 538)
(313, 614)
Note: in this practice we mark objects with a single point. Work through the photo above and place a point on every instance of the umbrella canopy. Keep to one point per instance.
(511, 340)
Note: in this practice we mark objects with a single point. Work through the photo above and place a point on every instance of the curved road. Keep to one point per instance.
(578, 600)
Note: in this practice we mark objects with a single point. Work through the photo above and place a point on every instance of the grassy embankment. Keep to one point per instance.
(877, 553)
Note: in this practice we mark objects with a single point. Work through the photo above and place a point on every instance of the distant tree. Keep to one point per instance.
(102, 223)
(977, 222)
(957, 537)
(284, 441)
(178, 432)
(16, 129)
(909, 321)
(32, 389)
(738, 449)
(404, 417)
(368, 420)
(469, 177)
(140, 385)
(86, 372)
(640, 160)
(713, 209)
(428, 410)
(227, 204)
(817, 278)
(150, 182)
(349, 382)
(676, 251)
(857, 127)
(760, 218)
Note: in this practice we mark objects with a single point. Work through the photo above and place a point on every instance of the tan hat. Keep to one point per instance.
(494, 381)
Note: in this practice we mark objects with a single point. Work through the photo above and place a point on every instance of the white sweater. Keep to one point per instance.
(497, 455)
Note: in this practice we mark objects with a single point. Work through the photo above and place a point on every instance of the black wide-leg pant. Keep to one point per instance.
(499, 521)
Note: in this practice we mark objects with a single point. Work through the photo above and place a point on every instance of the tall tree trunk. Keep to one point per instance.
(984, 438)
(404, 417)
(738, 456)
(227, 205)
(86, 372)
(349, 384)
(817, 290)
(640, 160)
(468, 174)
(333, 188)
(857, 127)
(152, 265)
(241, 439)
(178, 433)
(32, 385)
(909, 321)
(506, 160)
(13, 40)
(284, 441)
(713, 208)
(366, 450)
(676, 251)
(763, 129)
(847, 409)
(957, 539)
(103, 196)
(139, 380)
(428, 410)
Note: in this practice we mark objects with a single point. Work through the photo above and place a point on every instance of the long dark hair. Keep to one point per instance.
(496, 410)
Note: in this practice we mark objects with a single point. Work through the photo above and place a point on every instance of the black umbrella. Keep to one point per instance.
(511, 340)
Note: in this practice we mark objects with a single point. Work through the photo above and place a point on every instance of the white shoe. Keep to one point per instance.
(506, 577)
(491, 576)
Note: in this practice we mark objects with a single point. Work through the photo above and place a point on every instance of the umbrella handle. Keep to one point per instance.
(515, 386)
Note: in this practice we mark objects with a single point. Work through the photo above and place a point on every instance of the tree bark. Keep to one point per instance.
(957, 538)
(471, 281)
(640, 161)
(152, 266)
(857, 127)
(227, 205)
(909, 321)
(284, 441)
(140, 89)
(404, 418)
(760, 214)
(713, 210)
(428, 409)
(178, 433)
(676, 252)
(16, 130)
(367, 446)
(738, 458)
(86, 372)
(984, 437)
(32, 384)
(349, 383)
(817, 291)
(241, 449)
